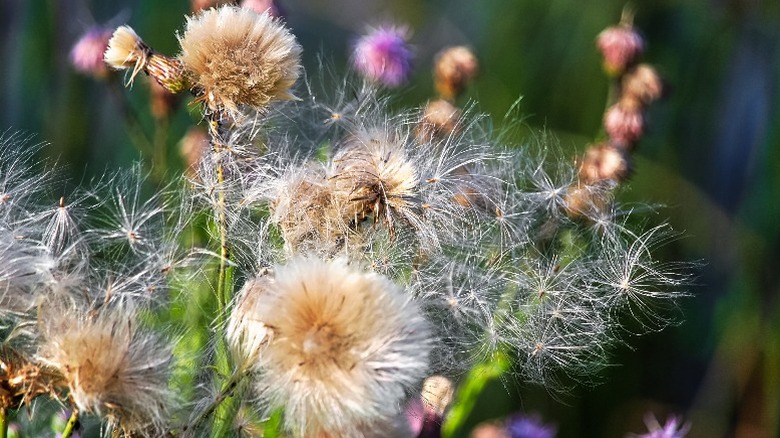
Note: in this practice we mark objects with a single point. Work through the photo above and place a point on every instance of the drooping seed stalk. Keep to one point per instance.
(71, 425)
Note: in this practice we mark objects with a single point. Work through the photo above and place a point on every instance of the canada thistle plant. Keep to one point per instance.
(358, 250)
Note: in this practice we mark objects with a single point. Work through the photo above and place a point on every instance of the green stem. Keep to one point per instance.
(3, 422)
(231, 386)
(226, 408)
(71, 426)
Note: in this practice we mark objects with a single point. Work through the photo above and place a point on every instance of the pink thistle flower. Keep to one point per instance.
(87, 54)
(384, 56)
(621, 46)
(262, 6)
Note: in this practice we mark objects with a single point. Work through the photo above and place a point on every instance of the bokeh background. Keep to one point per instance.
(711, 161)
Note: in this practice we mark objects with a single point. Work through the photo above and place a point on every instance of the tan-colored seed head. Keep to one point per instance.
(347, 345)
(237, 58)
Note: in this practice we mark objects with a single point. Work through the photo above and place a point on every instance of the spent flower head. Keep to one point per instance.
(239, 58)
(111, 366)
(384, 56)
(344, 350)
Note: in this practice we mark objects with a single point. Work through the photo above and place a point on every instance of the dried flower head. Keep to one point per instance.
(439, 119)
(308, 212)
(111, 367)
(643, 84)
(383, 55)
(126, 50)
(454, 68)
(87, 54)
(605, 162)
(621, 46)
(246, 333)
(21, 379)
(373, 172)
(237, 58)
(347, 346)
(624, 123)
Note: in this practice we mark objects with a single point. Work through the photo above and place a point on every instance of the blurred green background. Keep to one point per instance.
(711, 159)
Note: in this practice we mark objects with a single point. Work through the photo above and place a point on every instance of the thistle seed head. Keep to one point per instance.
(239, 58)
(347, 347)
(111, 367)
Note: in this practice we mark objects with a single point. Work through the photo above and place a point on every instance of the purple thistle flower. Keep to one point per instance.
(672, 428)
(525, 426)
(87, 54)
(384, 56)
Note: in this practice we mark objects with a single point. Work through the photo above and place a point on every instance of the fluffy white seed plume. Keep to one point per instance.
(345, 346)
(111, 366)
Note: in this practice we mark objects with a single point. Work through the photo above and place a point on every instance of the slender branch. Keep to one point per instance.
(71, 426)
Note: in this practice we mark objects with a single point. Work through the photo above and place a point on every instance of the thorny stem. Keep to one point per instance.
(71, 426)
(3, 422)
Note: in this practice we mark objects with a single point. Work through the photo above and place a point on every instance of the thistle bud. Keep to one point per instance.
(624, 122)
(439, 119)
(454, 68)
(604, 162)
(642, 83)
(585, 200)
(87, 54)
(192, 147)
(621, 46)
(383, 56)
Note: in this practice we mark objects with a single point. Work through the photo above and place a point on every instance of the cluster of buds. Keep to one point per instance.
(454, 69)
(636, 86)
